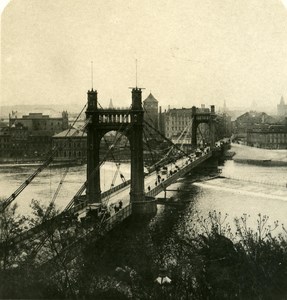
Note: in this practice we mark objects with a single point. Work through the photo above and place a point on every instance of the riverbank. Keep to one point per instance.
(257, 156)
(12, 164)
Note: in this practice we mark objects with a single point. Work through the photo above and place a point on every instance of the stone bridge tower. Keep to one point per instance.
(203, 116)
(130, 123)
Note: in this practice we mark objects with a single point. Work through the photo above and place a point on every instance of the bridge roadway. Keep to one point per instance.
(185, 165)
(121, 192)
(153, 186)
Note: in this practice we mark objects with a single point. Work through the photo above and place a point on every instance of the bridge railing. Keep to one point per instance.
(93, 234)
(181, 172)
(114, 189)
(118, 217)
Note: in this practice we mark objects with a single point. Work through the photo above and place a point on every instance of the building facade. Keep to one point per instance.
(176, 120)
(38, 122)
(268, 137)
(248, 121)
(5, 141)
(70, 145)
(30, 136)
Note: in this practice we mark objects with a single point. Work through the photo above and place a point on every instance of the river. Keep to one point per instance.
(243, 189)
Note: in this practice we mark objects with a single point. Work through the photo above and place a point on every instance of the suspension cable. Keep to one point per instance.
(163, 136)
(83, 187)
(122, 134)
(112, 154)
(18, 191)
(38, 247)
(149, 148)
(168, 140)
(185, 129)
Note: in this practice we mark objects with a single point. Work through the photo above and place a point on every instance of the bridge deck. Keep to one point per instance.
(111, 222)
(121, 192)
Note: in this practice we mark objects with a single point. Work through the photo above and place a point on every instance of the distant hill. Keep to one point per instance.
(51, 110)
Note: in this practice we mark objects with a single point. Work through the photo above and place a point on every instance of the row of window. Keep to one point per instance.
(175, 128)
(71, 154)
(71, 144)
(268, 139)
(179, 118)
(270, 135)
(178, 123)
(115, 118)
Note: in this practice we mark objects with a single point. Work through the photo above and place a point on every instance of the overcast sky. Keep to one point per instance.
(188, 51)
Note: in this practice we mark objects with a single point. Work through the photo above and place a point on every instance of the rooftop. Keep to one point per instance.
(70, 133)
(150, 98)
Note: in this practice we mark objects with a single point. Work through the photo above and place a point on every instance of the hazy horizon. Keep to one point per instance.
(189, 52)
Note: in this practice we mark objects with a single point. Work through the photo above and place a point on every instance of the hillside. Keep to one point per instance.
(51, 110)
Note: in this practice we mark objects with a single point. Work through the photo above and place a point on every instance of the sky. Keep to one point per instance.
(188, 52)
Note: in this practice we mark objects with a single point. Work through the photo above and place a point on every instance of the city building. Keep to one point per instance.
(5, 141)
(30, 136)
(17, 142)
(3, 124)
(176, 120)
(268, 136)
(38, 121)
(70, 145)
(248, 121)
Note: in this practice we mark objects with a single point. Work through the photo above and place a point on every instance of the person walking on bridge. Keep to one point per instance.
(120, 204)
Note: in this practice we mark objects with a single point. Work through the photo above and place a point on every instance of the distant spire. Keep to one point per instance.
(136, 73)
(111, 104)
(282, 100)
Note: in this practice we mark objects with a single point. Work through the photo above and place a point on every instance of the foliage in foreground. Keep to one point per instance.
(216, 263)
(205, 259)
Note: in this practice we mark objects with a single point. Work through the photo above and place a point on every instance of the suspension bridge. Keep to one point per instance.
(135, 196)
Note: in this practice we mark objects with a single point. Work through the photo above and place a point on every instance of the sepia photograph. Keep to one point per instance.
(143, 149)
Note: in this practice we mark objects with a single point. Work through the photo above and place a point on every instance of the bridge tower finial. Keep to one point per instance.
(92, 94)
(136, 73)
(92, 75)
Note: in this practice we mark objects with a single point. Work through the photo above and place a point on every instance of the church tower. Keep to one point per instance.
(150, 105)
(282, 108)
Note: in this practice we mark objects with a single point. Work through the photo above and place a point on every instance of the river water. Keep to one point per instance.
(243, 189)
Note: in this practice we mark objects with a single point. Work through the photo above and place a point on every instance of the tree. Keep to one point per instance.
(11, 225)
(11, 255)
(214, 263)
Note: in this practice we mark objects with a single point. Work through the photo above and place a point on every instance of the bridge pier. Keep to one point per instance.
(136, 144)
(93, 150)
(212, 162)
(146, 207)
